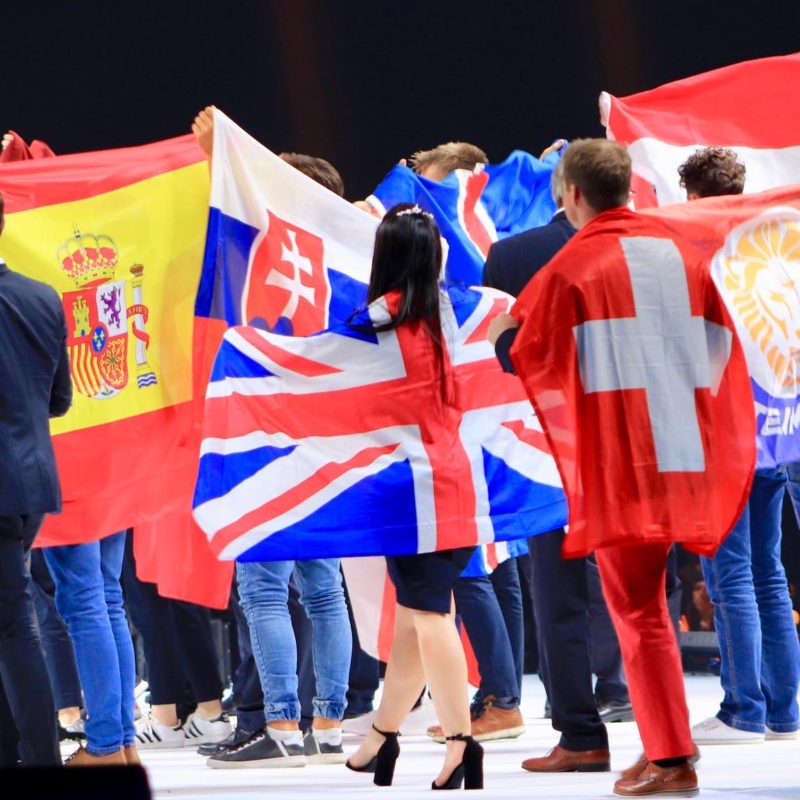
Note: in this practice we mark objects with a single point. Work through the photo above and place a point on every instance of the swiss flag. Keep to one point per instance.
(631, 360)
(288, 282)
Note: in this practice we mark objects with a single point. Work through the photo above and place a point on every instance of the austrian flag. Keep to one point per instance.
(351, 443)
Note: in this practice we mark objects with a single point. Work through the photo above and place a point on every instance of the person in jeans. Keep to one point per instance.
(89, 599)
(264, 594)
(759, 651)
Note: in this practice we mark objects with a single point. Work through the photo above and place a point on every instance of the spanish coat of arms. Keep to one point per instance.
(97, 317)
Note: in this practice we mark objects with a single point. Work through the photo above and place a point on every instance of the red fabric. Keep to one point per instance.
(603, 441)
(751, 104)
(634, 586)
(33, 183)
(15, 150)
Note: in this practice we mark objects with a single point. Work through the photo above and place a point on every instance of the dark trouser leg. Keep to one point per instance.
(606, 656)
(505, 580)
(480, 612)
(152, 616)
(23, 670)
(561, 602)
(365, 674)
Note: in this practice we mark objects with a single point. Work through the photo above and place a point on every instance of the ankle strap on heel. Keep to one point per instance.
(457, 737)
(386, 734)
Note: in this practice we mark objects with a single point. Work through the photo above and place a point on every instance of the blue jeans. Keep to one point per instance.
(760, 654)
(89, 598)
(491, 610)
(264, 594)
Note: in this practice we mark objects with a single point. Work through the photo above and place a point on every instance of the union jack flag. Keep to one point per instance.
(351, 443)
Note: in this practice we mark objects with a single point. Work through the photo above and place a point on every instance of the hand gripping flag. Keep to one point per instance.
(349, 444)
(750, 108)
(474, 209)
(630, 358)
(751, 245)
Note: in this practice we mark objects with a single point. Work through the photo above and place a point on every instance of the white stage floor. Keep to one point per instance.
(769, 771)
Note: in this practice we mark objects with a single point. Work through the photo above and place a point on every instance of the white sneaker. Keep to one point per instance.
(154, 735)
(714, 731)
(359, 726)
(420, 719)
(415, 724)
(774, 736)
(201, 730)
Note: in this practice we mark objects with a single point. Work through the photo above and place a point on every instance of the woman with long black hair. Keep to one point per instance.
(406, 270)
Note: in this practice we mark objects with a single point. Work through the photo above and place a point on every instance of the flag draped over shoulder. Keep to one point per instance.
(751, 244)
(750, 108)
(474, 209)
(119, 234)
(630, 358)
(349, 444)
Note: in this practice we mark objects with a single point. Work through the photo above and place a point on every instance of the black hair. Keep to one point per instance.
(408, 259)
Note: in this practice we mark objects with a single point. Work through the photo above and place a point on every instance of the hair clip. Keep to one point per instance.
(415, 210)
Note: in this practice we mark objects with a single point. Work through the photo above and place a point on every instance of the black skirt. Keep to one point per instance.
(425, 582)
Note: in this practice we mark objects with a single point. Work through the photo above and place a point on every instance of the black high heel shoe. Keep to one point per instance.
(383, 763)
(470, 770)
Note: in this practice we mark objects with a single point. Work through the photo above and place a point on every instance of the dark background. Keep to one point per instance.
(360, 82)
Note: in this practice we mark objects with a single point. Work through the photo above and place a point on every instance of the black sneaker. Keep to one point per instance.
(239, 736)
(616, 712)
(322, 753)
(260, 751)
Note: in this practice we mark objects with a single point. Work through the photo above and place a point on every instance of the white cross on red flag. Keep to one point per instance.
(630, 358)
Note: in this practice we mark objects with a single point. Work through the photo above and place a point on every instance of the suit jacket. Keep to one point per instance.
(35, 385)
(512, 262)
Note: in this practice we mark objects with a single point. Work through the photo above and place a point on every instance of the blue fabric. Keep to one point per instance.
(264, 595)
(516, 198)
(759, 650)
(89, 598)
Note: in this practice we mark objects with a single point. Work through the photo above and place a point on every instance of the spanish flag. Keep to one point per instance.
(120, 235)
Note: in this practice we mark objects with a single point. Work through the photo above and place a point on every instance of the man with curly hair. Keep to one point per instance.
(712, 172)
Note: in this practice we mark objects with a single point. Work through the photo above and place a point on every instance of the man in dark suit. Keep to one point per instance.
(561, 589)
(35, 385)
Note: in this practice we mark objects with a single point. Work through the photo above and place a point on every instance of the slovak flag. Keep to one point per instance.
(283, 253)
(750, 108)
(475, 209)
(351, 443)
(630, 358)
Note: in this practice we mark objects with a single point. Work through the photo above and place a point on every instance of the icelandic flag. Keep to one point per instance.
(475, 209)
(750, 108)
(351, 444)
(283, 253)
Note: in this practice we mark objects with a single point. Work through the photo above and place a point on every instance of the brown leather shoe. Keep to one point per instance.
(655, 781)
(83, 758)
(493, 723)
(636, 769)
(561, 760)
(132, 756)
